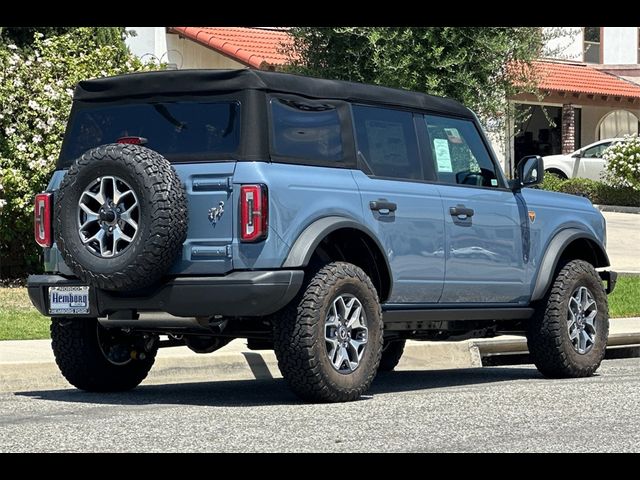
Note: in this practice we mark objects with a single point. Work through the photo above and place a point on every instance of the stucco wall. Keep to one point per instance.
(591, 117)
(620, 45)
(149, 43)
(497, 140)
(567, 47)
(188, 54)
(153, 43)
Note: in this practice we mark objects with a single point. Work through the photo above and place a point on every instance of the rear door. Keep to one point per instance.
(398, 205)
(199, 137)
(484, 245)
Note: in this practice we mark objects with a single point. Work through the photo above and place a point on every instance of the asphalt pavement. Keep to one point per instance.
(484, 409)
(623, 241)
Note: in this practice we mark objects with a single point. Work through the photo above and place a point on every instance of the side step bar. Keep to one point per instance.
(433, 318)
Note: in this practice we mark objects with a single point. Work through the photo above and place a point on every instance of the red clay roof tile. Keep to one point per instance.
(581, 78)
(254, 47)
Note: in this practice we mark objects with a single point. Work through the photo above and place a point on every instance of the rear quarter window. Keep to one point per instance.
(177, 130)
(308, 131)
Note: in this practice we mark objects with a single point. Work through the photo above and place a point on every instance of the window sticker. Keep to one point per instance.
(443, 157)
(453, 135)
(494, 182)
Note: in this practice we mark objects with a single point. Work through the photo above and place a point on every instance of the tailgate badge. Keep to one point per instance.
(216, 212)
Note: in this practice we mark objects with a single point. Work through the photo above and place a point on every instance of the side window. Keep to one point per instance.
(308, 131)
(595, 152)
(387, 142)
(459, 155)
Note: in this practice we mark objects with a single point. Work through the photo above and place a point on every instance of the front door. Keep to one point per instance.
(590, 163)
(402, 209)
(485, 246)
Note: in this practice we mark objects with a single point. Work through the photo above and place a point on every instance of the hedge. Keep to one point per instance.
(598, 192)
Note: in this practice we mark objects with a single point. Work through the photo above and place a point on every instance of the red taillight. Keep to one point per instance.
(132, 140)
(254, 213)
(42, 219)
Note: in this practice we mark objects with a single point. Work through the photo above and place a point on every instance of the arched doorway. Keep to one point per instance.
(617, 124)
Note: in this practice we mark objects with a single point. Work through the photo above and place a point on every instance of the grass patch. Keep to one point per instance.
(625, 299)
(19, 320)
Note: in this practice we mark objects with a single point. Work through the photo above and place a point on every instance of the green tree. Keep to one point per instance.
(22, 37)
(36, 88)
(479, 66)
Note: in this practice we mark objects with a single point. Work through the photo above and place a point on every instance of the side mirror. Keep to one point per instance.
(576, 154)
(530, 172)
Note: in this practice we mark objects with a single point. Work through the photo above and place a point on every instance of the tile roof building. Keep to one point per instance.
(590, 92)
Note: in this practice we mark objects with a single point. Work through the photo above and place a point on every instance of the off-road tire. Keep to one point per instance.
(299, 337)
(547, 334)
(391, 355)
(84, 365)
(162, 225)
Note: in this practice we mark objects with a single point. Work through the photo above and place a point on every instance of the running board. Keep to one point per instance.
(432, 318)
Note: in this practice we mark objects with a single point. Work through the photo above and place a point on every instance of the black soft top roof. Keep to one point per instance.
(191, 82)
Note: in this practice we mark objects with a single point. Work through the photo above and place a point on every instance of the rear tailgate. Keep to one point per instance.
(197, 135)
(209, 188)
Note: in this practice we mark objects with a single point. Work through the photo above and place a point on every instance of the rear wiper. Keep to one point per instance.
(164, 111)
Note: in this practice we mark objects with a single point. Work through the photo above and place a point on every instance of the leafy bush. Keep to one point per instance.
(551, 182)
(36, 87)
(623, 196)
(583, 187)
(598, 192)
(623, 163)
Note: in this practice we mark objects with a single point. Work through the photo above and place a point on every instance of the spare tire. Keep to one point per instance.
(120, 217)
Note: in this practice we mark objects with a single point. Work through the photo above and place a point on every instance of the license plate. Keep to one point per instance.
(68, 300)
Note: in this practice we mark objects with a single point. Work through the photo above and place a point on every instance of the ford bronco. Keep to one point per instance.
(328, 220)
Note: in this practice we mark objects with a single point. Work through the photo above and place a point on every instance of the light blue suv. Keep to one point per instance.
(328, 220)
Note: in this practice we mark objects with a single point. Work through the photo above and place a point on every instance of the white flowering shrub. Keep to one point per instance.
(622, 167)
(36, 89)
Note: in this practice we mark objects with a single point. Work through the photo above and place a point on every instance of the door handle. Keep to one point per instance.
(379, 205)
(461, 211)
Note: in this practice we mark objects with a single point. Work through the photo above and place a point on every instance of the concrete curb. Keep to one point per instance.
(618, 209)
(29, 365)
(233, 362)
(512, 344)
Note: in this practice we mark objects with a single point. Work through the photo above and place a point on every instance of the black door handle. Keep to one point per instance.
(378, 205)
(461, 211)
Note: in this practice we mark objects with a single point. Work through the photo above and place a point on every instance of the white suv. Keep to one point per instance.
(586, 162)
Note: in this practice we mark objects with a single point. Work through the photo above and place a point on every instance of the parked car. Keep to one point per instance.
(587, 162)
(328, 220)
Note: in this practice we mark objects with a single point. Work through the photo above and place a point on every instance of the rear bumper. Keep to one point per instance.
(238, 294)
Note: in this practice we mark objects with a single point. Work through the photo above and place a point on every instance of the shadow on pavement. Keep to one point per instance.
(241, 393)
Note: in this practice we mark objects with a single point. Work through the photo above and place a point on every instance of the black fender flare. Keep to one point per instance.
(553, 253)
(307, 242)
